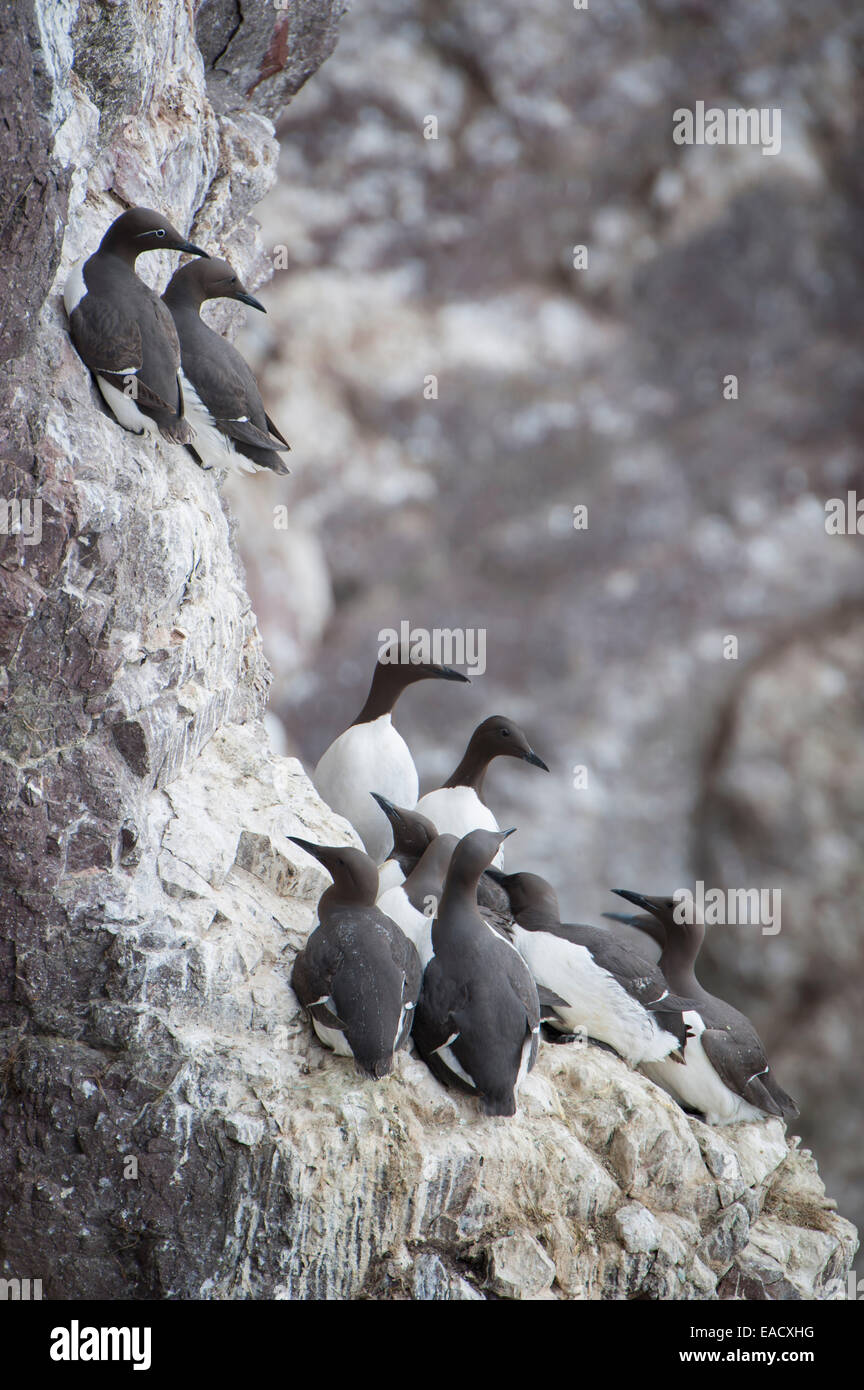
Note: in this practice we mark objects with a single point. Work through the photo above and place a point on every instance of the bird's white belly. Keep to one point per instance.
(124, 409)
(697, 1084)
(390, 875)
(75, 289)
(368, 758)
(596, 1002)
(415, 925)
(215, 449)
(457, 811)
(333, 1038)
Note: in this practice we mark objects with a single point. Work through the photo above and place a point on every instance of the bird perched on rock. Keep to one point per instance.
(604, 988)
(477, 1022)
(725, 1076)
(123, 331)
(412, 905)
(358, 975)
(412, 835)
(457, 806)
(371, 756)
(223, 403)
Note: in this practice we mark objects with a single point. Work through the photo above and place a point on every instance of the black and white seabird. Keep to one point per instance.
(370, 756)
(123, 331)
(412, 905)
(358, 975)
(412, 836)
(223, 403)
(726, 1076)
(605, 990)
(457, 806)
(477, 1021)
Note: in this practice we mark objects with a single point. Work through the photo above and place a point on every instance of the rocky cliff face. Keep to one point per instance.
(169, 1127)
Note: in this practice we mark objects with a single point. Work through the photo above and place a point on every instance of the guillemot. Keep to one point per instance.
(412, 836)
(457, 806)
(477, 1022)
(412, 905)
(223, 403)
(122, 330)
(607, 991)
(370, 756)
(726, 1076)
(358, 975)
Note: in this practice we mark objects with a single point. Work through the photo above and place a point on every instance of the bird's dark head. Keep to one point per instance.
(412, 833)
(498, 737)
(211, 279)
(142, 229)
(475, 852)
(528, 893)
(354, 874)
(406, 666)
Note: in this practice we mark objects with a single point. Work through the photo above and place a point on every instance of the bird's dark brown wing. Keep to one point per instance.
(106, 340)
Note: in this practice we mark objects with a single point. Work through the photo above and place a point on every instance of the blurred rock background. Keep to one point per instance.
(400, 257)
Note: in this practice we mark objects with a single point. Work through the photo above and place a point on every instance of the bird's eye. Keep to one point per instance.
(160, 231)
(233, 279)
(505, 733)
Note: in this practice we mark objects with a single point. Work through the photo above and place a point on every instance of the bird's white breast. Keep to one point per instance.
(697, 1084)
(75, 289)
(457, 811)
(396, 905)
(390, 875)
(597, 1002)
(215, 449)
(368, 758)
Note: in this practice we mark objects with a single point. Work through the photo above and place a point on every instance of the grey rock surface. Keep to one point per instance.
(169, 1128)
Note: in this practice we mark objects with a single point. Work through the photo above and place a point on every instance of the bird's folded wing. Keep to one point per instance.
(742, 1065)
(106, 339)
(227, 397)
(247, 433)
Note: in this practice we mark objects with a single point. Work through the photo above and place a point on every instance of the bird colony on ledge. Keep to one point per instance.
(423, 937)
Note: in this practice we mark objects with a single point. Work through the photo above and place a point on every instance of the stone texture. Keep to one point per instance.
(170, 1127)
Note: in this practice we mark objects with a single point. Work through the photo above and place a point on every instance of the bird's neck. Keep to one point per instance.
(678, 960)
(388, 682)
(471, 772)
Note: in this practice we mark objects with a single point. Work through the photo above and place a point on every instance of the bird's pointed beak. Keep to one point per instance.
(506, 833)
(191, 249)
(531, 757)
(447, 673)
(638, 899)
(250, 300)
(392, 812)
(317, 851)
